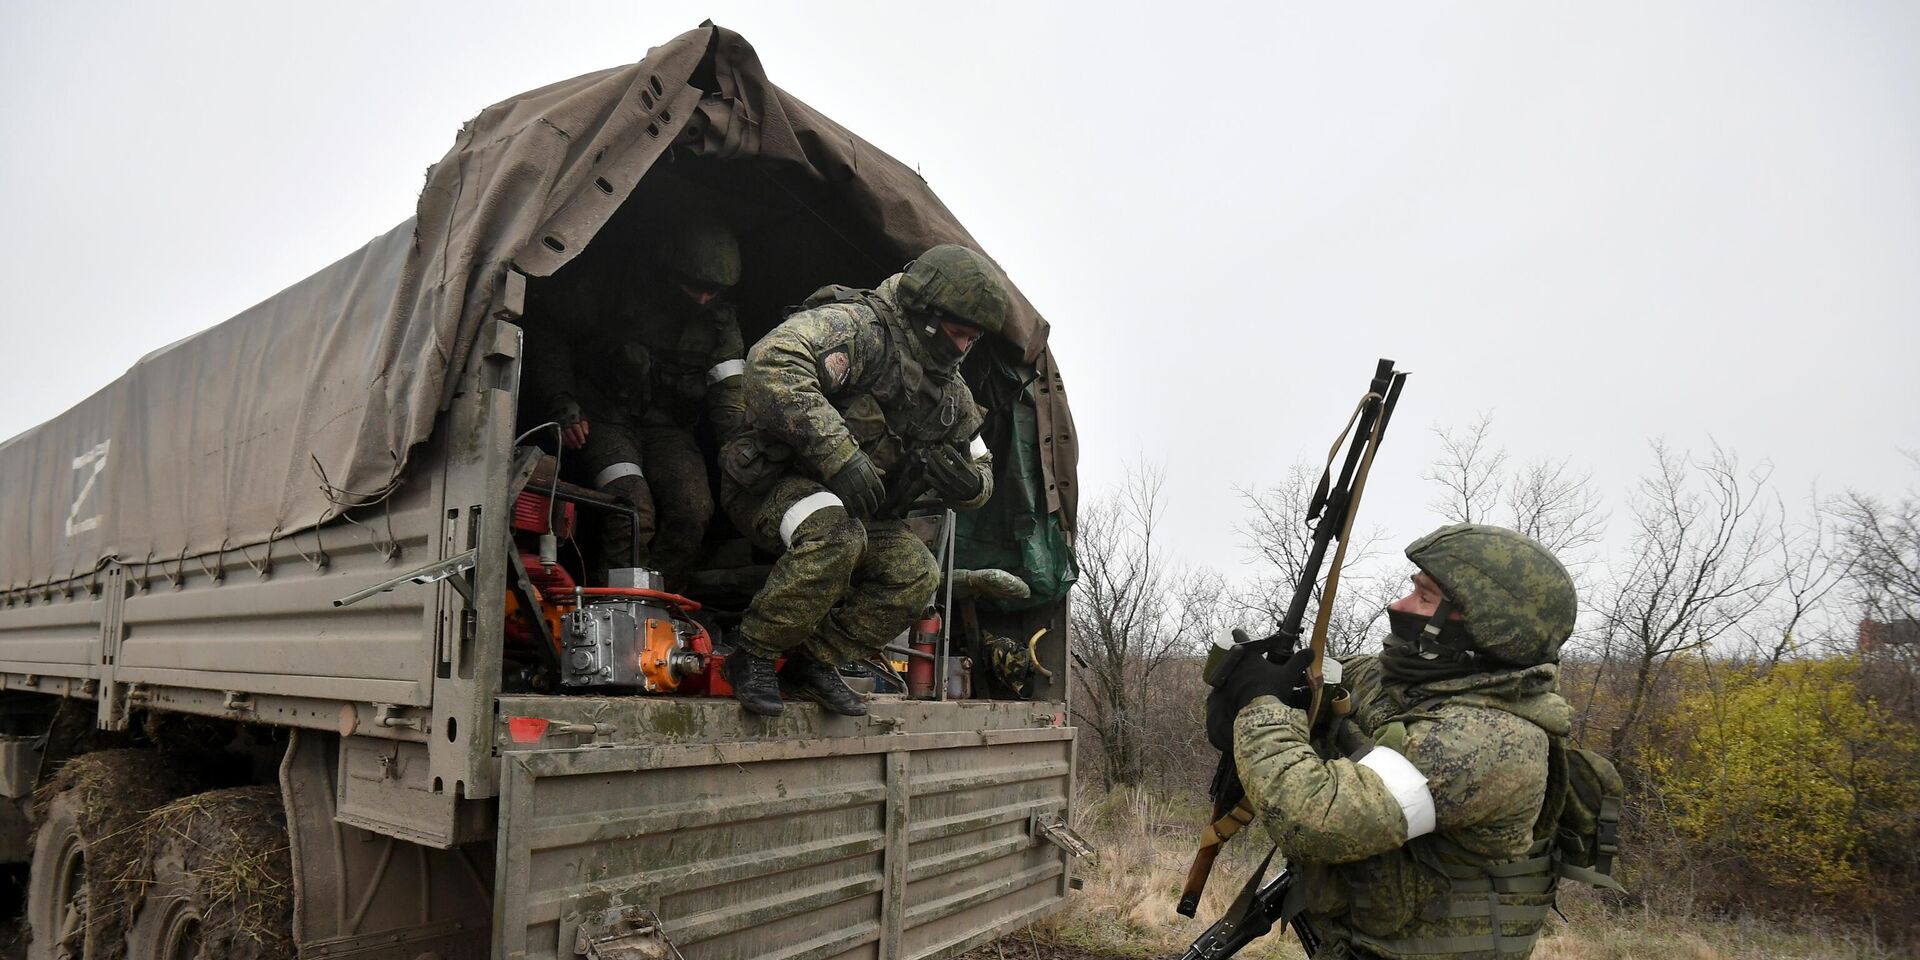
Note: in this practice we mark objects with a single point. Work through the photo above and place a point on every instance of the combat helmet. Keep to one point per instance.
(702, 251)
(1517, 599)
(953, 283)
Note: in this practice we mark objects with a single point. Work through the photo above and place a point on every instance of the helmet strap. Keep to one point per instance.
(1433, 643)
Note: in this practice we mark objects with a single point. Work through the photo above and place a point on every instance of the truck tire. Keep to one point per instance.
(83, 843)
(219, 882)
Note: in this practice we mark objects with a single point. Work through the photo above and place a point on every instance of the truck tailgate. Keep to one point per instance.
(911, 833)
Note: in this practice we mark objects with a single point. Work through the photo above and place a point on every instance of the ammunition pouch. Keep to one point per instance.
(751, 462)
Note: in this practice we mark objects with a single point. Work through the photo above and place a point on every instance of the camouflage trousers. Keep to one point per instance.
(842, 588)
(660, 470)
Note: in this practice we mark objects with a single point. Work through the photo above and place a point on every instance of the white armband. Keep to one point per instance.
(1408, 786)
(616, 472)
(803, 508)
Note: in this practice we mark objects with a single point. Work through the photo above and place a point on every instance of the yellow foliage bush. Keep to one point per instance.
(1791, 774)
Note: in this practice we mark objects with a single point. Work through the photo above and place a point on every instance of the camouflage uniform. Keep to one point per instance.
(845, 377)
(1407, 848)
(641, 365)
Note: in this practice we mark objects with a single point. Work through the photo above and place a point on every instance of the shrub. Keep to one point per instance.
(1793, 783)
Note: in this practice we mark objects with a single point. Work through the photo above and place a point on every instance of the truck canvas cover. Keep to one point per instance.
(311, 403)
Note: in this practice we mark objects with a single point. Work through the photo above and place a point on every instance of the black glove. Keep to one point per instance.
(858, 486)
(1243, 676)
(952, 473)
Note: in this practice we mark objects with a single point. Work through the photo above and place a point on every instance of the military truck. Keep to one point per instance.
(284, 665)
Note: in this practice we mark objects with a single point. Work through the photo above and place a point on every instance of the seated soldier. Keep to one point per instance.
(628, 374)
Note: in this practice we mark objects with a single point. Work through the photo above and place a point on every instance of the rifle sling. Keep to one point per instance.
(1223, 829)
(1351, 509)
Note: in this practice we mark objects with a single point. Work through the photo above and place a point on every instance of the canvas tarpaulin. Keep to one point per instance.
(312, 402)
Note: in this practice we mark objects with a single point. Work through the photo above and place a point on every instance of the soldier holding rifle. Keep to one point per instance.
(1420, 842)
(1426, 797)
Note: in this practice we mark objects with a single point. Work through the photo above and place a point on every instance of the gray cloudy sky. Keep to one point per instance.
(1600, 223)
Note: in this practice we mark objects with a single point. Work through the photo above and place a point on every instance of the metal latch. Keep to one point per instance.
(626, 933)
(392, 715)
(1049, 827)
(448, 569)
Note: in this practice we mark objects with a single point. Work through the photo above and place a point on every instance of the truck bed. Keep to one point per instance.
(915, 832)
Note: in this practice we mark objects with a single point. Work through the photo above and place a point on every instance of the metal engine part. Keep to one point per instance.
(628, 643)
(635, 577)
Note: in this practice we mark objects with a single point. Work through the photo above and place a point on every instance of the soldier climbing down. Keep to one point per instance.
(857, 409)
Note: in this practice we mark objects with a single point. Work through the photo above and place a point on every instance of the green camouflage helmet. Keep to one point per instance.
(703, 251)
(953, 283)
(1516, 598)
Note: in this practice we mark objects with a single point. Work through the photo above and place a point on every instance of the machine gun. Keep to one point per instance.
(1252, 915)
(1331, 511)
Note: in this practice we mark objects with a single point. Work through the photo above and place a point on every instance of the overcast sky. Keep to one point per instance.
(1600, 224)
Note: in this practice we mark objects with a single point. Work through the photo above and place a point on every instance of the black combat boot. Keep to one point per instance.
(815, 680)
(754, 683)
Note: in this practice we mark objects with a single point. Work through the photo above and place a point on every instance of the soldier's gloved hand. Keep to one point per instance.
(1242, 682)
(858, 485)
(952, 473)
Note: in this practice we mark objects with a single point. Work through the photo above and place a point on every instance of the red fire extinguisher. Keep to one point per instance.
(920, 669)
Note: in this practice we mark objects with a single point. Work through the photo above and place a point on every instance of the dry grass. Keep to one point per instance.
(229, 849)
(1145, 846)
(1145, 843)
(111, 790)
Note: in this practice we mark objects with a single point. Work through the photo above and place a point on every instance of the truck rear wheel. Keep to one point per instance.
(219, 881)
(84, 842)
(57, 896)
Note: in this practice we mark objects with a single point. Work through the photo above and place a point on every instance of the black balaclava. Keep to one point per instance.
(1423, 649)
(930, 344)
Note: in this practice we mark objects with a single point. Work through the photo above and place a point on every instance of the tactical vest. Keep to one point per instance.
(1505, 903)
(904, 410)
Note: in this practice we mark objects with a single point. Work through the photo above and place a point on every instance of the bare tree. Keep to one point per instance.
(1881, 542)
(1810, 568)
(1697, 570)
(1471, 471)
(1549, 500)
(1280, 540)
(1133, 614)
(1554, 503)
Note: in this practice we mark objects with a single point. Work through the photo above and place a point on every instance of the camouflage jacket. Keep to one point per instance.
(633, 356)
(841, 377)
(1480, 742)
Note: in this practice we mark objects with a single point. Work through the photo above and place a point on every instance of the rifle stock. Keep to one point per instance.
(1226, 793)
(1331, 512)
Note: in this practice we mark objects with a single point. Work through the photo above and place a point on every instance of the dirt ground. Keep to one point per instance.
(1020, 946)
(13, 907)
(1027, 946)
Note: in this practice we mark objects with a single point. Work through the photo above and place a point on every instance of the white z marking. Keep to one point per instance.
(97, 459)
